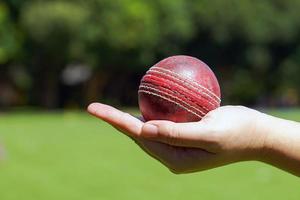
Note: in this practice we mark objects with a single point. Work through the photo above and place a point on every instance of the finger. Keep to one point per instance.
(125, 122)
(193, 134)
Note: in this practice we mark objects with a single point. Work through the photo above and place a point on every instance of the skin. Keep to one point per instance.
(226, 135)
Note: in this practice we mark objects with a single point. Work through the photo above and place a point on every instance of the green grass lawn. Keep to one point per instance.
(62, 156)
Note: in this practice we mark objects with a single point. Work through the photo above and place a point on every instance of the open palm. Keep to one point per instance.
(179, 146)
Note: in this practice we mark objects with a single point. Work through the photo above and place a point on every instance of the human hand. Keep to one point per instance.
(225, 135)
(229, 131)
(175, 158)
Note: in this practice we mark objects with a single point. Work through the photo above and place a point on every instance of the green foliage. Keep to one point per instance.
(128, 24)
(51, 21)
(138, 26)
(9, 40)
(254, 39)
(290, 71)
(176, 22)
(255, 21)
(108, 27)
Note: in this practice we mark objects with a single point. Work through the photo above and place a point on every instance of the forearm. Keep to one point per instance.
(282, 143)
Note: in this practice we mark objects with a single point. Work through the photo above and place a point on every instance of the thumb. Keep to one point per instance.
(192, 134)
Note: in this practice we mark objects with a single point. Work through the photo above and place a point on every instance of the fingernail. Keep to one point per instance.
(149, 130)
(92, 107)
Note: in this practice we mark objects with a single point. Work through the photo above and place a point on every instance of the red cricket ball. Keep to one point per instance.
(179, 89)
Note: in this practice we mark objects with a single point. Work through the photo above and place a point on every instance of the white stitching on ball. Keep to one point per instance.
(158, 91)
(156, 69)
(165, 93)
(188, 84)
(202, 92)
(170, 100)
(179, 76)
(150, 86)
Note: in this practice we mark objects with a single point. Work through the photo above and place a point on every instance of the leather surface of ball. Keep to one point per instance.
(179, 89)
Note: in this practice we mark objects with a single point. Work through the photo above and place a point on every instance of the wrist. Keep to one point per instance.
(274, 142)
(281, 145)
(264, 136)
(256, 140)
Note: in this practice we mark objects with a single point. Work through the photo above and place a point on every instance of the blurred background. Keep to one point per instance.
(60, 55)
(64, 54)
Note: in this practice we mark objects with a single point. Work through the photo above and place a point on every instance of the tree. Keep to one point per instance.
(107, 35)
(9, 38)
(249, 43)
(52, 28)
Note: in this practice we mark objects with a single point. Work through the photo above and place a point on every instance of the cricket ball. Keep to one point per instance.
(179, 89)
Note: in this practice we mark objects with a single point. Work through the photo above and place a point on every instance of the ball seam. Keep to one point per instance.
(173, 101)
(179, 78)
(167, 99)
(152, 87)
(185, 89)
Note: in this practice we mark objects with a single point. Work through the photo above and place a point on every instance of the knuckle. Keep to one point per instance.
(168, 133)
(173, 134)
